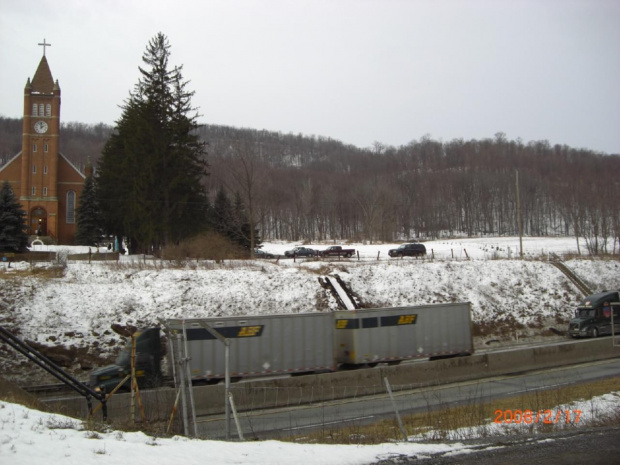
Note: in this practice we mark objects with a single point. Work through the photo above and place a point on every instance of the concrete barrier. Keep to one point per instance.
(287, 392)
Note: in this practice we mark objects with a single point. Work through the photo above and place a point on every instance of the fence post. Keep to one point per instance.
(234, 411)
(400, 423)
(188, 380)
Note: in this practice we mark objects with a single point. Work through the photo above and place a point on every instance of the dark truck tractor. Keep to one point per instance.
(593, 315)
(148, 364)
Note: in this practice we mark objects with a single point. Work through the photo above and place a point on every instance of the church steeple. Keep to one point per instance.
(40, 194)
(43, 82)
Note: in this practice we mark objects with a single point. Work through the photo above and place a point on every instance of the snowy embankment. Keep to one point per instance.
(31, 437)
(76, 308)
(510, 298)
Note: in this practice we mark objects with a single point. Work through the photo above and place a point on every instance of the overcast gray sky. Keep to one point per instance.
(354, 70)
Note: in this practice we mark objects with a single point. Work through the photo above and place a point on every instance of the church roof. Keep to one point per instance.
(42, 81)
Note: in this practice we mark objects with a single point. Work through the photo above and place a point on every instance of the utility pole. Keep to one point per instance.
(519, 225)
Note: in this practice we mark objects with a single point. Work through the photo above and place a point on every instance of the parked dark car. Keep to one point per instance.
(593, 315)
(258, 253)
(408, 250)
(300, 252)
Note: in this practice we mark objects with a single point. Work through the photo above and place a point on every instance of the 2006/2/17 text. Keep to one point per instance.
(528, 417)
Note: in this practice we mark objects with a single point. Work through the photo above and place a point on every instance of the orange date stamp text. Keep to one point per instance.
(546, 417)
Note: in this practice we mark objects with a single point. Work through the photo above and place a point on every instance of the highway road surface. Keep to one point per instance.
(297, 421)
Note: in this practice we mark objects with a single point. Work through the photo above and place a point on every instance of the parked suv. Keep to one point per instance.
(408, 250)
(593, 315)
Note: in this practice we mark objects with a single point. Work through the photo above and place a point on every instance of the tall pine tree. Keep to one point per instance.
(149, 180)
(88, 216)
(231, 220)
(13, 237)
(223, 218)
(242, 227)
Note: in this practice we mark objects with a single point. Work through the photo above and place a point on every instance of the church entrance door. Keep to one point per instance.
(38, 222)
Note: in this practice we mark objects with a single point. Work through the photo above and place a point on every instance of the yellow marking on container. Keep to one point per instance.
(406, 319)
(249, 331)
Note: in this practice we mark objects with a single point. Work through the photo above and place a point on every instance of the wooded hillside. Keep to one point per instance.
(308, 188)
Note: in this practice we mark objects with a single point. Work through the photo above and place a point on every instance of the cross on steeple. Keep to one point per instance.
(45, 45)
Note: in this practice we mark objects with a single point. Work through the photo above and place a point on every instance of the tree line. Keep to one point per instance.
(312, 189)
(153, 182)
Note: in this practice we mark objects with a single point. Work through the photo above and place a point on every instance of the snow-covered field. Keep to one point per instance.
(75, 308)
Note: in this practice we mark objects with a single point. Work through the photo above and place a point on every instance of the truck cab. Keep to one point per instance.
(593, 315)
(148, 364)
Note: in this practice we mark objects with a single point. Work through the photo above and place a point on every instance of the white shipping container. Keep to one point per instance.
(391, 334)
(259, 345)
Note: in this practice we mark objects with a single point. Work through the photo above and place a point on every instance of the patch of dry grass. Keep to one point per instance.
(10, 392)
(41, 272)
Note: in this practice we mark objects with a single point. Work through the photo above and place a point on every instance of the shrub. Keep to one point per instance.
(208, 246)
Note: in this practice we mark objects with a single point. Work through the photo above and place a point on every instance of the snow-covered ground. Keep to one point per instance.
(75, 307)
(32, 437)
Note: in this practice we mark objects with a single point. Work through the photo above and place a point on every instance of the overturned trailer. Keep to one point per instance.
(317, 342)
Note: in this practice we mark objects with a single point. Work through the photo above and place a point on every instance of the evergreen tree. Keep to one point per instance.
(231, 220)
(241, 225)
(150, 174)
(223, 214)
(13, 237)
(88, 216)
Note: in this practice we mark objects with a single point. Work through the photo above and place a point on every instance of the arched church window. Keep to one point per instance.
(70, 207)
(41, 110)
(48, 110)
(34, 110)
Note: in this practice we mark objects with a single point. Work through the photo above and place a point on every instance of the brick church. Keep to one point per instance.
(46, 183)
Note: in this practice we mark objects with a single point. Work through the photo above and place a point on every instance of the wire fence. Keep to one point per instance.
(454, 412)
